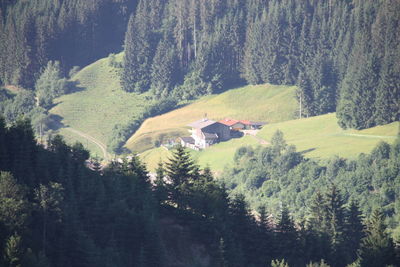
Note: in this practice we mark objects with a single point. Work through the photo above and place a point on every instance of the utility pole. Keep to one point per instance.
(300, 112)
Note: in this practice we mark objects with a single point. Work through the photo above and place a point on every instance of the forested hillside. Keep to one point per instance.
(74, 32)
(342, 54)
(56, 212)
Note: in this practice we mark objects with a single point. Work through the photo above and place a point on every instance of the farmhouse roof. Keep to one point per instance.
(228, 122)
(200, 124)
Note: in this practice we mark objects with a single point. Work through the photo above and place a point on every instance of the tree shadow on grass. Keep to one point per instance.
(307, 150)
(56, 122)
(74, 87)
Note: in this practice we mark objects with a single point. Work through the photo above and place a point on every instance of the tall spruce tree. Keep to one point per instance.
(353, 232)
(181, 171)
(377, 248)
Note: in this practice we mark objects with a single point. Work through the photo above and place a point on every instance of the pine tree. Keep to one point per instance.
(353, 231)
(164, 73)
(304, 96)
(140, 45)
(181, 171)
(13, 251)
(50, 84)
(278, 143)
(286, 244)
(334, 221)
(160, 190)
(388, 92)
(279, 263)
(377, 248)
(14, 206)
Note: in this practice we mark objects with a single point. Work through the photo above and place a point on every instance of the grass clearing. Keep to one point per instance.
(321, 136)
(269, 103)
(216, 157)
(71, 138)
(99, 103)
(317, 137)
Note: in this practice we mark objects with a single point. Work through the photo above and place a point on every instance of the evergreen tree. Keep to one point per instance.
(165, 71)
(140, 45)
(377, 248)
(13, 252)
(335, 223)
(279, 263)
(181, 172)
(388, 91)
(286, 244)
(50, 84)
(304, 96)
(278, 143)
(14, 206)
(353, 232)
(160, 190)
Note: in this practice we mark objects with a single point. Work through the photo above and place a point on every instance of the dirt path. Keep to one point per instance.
(260, 140)
(102, 146)
(370, 136)
(253, 133)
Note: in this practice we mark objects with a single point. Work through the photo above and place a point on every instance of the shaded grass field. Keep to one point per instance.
(269, 103)
(317, 137)
(98, 103)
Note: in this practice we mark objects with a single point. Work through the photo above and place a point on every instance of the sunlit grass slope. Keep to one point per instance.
(269, 103)
(317, 137)
(216, 157)
(321, 136)
(100, 103)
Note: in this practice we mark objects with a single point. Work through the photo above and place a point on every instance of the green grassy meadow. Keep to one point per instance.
(317, 137)
(269, 103)
(321, 136)
(98, 104)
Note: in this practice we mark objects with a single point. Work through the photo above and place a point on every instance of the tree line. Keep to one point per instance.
(73, 32)
(341, 54)
(57, 212)
(270, 175)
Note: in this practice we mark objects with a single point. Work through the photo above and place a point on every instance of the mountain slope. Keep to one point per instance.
(98, 103)
(268, 103)
(317, 137)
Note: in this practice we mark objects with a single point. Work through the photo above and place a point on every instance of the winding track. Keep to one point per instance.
(102, 146)
(370, 135)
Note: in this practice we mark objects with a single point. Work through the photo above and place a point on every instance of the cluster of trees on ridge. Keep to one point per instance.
(74, 32)
(342, 54)
(36, 104)
(269, 175)
(56, 212)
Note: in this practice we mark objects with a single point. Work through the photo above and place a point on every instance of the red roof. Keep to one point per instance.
(228, 122)
(246, 122)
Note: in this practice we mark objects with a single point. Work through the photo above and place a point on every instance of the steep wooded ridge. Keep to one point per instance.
(341, 54)
(56, 212)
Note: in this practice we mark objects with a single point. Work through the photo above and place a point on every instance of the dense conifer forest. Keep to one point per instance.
(274, 208)
(342, 54)
(56, 212)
